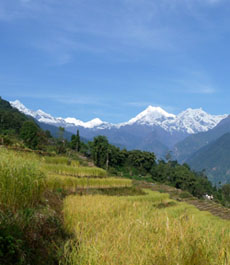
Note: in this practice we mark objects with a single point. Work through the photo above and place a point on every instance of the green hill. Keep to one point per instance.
(12, 121)
(215, 159)
(184, 149)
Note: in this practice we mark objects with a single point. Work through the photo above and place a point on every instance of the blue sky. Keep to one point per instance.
(112, 58)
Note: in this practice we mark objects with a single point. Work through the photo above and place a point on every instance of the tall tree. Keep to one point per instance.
(61, 133)
(100, 149)
(78, 141)
(29, 134)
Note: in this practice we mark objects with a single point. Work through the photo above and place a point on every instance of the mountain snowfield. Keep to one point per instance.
(190, 121)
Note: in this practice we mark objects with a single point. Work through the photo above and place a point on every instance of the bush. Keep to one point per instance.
(185, 195)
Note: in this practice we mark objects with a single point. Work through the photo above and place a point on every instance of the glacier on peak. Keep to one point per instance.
(150, 115)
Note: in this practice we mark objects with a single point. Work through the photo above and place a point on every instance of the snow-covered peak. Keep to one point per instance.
(18, 105)
(90, 124)
(150, 116)
(74, 121)
(42, 116)
(194, 121)
(94, 123)
(189, 121)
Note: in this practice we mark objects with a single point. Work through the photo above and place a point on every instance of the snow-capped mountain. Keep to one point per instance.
(153, 129)
(150, 116)
(189, 121)
(42, 116)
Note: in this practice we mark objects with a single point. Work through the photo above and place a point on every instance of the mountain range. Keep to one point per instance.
(200, 139)
(153, 129)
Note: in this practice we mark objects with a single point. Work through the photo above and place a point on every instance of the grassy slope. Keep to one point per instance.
(148, 229)
(31, 229)
(144, 229)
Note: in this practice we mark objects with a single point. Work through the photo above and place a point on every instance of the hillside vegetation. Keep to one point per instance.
(147, 229)
(31, 230)
(214, 158)
(186, 148)
(73, 202)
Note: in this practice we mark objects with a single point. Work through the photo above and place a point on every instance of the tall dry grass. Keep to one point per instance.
(21, 182)
(60, 160)
(136, 231)
(75, 171)
(55, 182)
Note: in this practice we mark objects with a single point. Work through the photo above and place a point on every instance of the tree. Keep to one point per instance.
(100, 149)
(168, 156)
(226, 192)
(75, 142)
(78, 141)
(29, 134)
(143, 161)
(61, 133)
(61, 148)
(48, 134)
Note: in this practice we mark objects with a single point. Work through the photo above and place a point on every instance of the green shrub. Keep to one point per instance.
(11, 245)
(185, 195)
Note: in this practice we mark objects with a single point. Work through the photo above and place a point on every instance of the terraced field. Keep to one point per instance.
(203, 205)
(105, 220)
(142, 230)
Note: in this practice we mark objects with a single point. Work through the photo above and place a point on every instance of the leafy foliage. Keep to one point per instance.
(75, 142)
(100, 151)
(29, 134)
(11, 120)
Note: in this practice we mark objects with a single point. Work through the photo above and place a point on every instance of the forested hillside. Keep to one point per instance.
(215, 159)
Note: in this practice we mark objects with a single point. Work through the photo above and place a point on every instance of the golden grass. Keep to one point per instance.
(134, 231)
(60, 160)
(71, 183)
(21, 182)
(75, 171)
(56, 174)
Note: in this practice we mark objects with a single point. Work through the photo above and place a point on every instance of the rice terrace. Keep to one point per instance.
(100, 219)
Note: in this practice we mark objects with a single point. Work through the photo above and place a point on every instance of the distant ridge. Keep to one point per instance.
(215, 159)
(186, 148)
(154, 129)
(190, 121)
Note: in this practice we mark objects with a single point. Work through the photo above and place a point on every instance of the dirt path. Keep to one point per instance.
(203, 205)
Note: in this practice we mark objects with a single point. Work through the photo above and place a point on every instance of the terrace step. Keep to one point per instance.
(202, 205)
